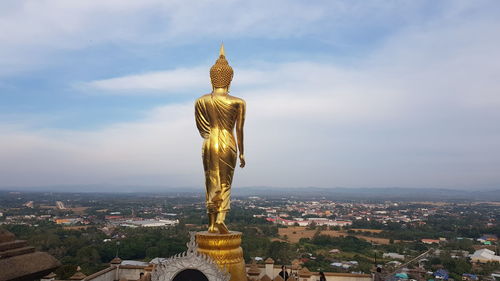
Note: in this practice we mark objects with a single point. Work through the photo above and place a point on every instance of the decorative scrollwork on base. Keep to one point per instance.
(167, 270)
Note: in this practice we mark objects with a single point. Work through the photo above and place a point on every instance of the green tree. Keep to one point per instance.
(153, 252)
(88, 255)
(281, 252)
(65, 271)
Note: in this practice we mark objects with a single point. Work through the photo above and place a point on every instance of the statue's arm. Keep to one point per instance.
(202, 122)
(239, 131)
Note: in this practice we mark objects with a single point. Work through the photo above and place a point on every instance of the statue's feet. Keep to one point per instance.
(212, 229)
(222, 227)
(212, 217)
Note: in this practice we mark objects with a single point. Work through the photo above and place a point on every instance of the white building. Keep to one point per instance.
(149, 223)
(328, 222)
(393, 256)
(60, 205)
(484, 256)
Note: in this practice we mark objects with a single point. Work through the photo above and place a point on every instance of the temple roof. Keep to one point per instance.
(116, 260)
(265, 278)
(304, 272)
(50, 275)
(19, 261)
(78, 276)
(278, 278)
(254, 269)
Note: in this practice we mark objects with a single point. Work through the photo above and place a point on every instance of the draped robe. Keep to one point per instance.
(216, 117)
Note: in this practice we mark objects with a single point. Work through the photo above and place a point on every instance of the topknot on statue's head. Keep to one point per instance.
(221, 73)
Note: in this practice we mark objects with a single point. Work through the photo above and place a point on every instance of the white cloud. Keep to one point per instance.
(170, 81)
(421, 111)
(156, 145)
(308, 124)
(33, 31)
(176, 80)
(36, 32)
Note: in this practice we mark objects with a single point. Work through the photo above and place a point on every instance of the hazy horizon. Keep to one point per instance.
(309, 193)
(159, 188)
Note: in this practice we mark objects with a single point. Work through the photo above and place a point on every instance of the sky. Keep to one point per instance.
(339, 93)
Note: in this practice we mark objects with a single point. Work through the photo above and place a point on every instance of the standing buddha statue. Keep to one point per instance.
(217, 114)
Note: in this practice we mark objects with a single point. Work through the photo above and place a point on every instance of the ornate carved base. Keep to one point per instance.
(190, 264)
(225, 250)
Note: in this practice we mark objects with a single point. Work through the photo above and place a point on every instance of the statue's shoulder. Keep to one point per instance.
(203, 98)
(237, 100)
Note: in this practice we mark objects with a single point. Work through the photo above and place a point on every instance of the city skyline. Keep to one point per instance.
(338, 93)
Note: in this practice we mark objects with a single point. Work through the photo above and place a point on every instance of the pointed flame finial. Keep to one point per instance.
(221, 73)
(221, 52)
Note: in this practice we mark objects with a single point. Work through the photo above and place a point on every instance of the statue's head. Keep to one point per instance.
(221, 72)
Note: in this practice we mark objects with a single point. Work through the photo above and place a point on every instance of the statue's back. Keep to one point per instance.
(220, 111)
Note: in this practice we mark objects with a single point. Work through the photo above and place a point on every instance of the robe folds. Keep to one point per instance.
(216, 117)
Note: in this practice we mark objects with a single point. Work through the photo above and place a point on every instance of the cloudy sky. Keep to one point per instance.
(369, 93)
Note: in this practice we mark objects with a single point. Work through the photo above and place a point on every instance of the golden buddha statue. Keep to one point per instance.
(217, 114)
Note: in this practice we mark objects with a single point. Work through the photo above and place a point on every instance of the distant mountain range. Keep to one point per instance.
(388, 193)
(337, 193)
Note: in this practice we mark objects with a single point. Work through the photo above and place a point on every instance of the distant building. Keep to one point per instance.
(469, 277)
(113, 217)
(282, 221)
(328, 222)
(441, 274)
(29, 204)
(487, 238)
(309, 221)
(149, 223)
(484, 256)
(60, 205)
(430, 241)
(393, 256)
(496, 275)
(67, 221)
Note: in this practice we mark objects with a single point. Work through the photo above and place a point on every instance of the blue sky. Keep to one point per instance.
(339, 93)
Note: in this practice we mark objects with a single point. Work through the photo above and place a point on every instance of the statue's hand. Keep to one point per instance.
(242, 160)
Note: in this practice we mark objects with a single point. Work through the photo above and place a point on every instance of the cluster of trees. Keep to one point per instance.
(455, 266)
(256, 241)
(87, 249)
(346, 244)
(315, 252)
(469, 224)
(460, 265)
